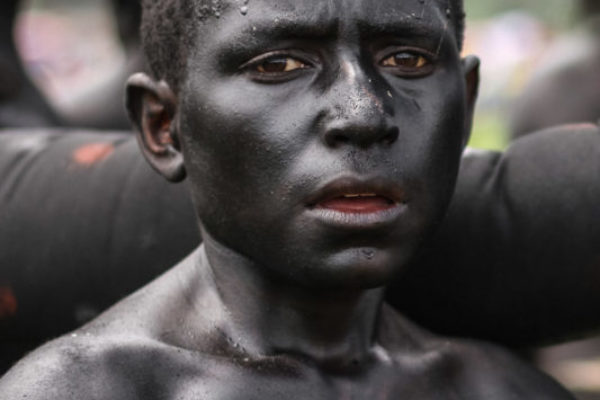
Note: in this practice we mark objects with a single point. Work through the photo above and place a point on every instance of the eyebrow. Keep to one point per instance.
(294, 28)
(238, 45)
(261, 31)
(409, 28)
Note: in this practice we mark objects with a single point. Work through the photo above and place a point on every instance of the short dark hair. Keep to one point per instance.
(168, 32)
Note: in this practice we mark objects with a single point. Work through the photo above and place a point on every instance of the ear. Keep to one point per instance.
(471, 71)
(152, 108)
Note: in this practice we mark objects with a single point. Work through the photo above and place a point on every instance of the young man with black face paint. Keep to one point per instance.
(322, 142)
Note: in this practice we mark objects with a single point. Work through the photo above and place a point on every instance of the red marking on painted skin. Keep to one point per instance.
(92, 153)
(8, 303)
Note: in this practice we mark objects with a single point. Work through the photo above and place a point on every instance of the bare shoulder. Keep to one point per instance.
(135, 350)
(77, 367)
(87, 366)
(64, 368)
(492, 372)
(467, 369)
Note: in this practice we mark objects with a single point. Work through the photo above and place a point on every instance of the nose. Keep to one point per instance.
(356, 115)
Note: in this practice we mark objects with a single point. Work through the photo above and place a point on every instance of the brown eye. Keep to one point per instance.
(406, 60)
(281, 64)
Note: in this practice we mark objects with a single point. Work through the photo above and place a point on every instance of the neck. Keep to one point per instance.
(267, 315)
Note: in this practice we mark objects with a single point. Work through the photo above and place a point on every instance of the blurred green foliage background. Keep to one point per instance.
(491, 127)
(558, 13)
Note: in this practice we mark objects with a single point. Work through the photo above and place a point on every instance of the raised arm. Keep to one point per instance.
(518, 257)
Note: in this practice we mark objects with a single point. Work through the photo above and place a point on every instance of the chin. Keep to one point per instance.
(359, 268)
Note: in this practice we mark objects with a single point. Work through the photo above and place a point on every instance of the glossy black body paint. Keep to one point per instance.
(282, 300)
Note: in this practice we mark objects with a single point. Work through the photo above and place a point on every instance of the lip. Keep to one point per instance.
(349, 188)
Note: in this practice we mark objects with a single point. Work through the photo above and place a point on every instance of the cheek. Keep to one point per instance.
(431, 153)
(246, 132)
(240, 149)
(445, 121)
(446, 149)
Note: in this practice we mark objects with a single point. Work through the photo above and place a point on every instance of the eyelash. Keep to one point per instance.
(252, 67)
(426, 58)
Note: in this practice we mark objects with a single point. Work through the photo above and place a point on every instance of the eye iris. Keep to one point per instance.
(409, 60)
(279, 64)
(273, 65)
(406, 60)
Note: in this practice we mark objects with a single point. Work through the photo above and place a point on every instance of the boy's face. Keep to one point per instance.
(322, 138)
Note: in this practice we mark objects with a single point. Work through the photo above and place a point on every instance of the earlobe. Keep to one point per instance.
(471, 71)
(152, 108)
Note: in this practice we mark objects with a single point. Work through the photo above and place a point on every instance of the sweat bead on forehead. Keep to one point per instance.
(170, 27)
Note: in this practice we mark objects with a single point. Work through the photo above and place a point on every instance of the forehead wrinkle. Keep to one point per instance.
(281, 18)
(407, 27)
(398, 23)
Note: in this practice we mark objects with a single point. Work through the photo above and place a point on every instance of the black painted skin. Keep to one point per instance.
(280, 302)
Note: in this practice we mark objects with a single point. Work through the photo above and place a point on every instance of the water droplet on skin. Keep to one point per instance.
(448, 12)
(368, 253)
(244, 10)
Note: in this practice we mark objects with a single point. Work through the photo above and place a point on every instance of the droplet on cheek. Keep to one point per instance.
(8, 303)
(85, 313)
(368, 253)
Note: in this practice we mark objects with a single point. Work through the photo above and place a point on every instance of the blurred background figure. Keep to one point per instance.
(21, 103)
(566, 85)
(540, 67)
(80, 53)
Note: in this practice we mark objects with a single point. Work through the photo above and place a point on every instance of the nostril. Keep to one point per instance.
(340, 138)
(337, 138)
(391, 136)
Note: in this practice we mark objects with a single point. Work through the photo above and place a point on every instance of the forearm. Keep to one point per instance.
(518, 257)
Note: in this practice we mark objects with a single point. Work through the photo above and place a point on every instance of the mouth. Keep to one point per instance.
(352, 202)
(357, 203)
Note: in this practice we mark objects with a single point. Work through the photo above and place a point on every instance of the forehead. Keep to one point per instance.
(344, 9)
(316, 17)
